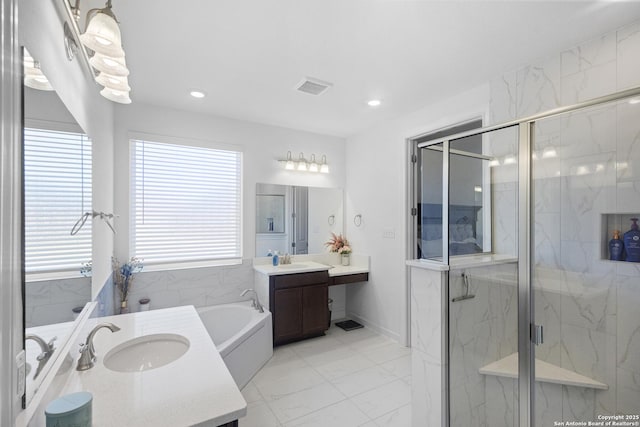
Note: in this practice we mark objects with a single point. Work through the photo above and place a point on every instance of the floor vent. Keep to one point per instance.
(313, 86)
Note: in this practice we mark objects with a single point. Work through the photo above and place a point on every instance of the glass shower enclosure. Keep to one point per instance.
(543, 327)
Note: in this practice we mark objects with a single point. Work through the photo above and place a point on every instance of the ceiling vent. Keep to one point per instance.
(313, 86)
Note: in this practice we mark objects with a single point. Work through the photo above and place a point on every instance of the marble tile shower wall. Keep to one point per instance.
(481, 330)
(198, 286)
(587, 164)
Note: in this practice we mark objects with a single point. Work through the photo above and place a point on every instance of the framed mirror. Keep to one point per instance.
(303, 218)
(57, 191)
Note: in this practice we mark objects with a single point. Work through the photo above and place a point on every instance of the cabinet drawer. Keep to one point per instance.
(301, 279)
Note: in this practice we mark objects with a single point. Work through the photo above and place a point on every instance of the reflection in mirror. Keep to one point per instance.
(309, 216)
(57, 190)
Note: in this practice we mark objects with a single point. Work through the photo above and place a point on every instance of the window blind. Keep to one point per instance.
(57, 191)
(186, 203)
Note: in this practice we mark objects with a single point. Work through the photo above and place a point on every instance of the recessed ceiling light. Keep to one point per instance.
(634, 101)
(374, 103)
(197, 94)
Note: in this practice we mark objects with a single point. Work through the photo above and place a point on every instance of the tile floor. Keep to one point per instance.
(344, 379)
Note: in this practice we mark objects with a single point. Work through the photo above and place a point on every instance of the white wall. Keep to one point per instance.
(376, 171)
(262, 145)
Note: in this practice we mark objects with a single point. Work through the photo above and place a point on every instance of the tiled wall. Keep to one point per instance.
(52, 301)
(588, 306)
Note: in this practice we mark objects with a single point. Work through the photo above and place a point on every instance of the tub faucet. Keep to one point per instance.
(47, 350)
(255, 302)
(87, 351)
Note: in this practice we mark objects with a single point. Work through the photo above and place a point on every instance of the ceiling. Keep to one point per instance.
(248, 55)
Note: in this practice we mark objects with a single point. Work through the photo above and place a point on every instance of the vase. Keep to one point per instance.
(124, 308)
(346, 259)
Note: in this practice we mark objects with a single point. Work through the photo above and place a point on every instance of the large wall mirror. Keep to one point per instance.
(58, 238)
(296, 219)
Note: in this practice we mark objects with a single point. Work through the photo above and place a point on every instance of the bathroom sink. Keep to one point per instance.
(294, 265)
(146, 352)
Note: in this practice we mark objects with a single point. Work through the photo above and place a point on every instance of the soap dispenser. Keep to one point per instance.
(275, 259)
(632, 242)
(616, 247)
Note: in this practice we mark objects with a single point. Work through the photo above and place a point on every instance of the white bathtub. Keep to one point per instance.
(242, 335)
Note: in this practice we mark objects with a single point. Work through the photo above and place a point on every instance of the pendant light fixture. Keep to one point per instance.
(102, 37)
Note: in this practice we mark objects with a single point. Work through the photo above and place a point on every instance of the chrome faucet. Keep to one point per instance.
(87, 351)
(255, 302)
(47, 350)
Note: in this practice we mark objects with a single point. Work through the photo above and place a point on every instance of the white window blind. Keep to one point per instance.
(186, 204)
(57, 191)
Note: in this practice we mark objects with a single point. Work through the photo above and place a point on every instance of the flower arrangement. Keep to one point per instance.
(123, 277)
(338, 244)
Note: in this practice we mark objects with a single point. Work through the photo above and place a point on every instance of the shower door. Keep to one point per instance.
(483, 294)
(585, 186)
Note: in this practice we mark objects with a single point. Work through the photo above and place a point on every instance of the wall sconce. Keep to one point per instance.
(102, 38)
(33, 76)
(303, 166)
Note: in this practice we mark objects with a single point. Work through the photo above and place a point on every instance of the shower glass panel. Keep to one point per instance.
(483, 297)
(584, 188)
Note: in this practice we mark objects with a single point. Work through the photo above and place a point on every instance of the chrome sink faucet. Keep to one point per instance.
(87, 351)
(47, 350)
(255, 302)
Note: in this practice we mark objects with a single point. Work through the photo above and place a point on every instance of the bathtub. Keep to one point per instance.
(242, 335)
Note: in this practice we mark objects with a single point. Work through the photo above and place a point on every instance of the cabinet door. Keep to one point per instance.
(287, 314)
(314, 309)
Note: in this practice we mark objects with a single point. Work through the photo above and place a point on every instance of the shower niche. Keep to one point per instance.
(610, 222)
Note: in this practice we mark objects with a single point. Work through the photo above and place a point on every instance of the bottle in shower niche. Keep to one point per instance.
(632, 242)
(616, 247)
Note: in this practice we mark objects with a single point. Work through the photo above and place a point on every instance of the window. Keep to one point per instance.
(469, 203)
(186, 204)
(57, 191)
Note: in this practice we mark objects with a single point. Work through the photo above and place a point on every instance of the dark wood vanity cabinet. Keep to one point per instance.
(298, 305)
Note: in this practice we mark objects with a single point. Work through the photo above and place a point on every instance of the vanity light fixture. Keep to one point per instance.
(102, 37)
(313, 166)
(289, 165)
(303, 166)
(33, 76)
(302, 163)
(324, 167)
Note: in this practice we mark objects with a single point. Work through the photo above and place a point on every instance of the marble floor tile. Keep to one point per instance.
(383, 399)
(340, 368)
(259, 415)
(400, 417)
(363, 380)
(341, 414)
(350, 379)
(305, 402)
(387, 352)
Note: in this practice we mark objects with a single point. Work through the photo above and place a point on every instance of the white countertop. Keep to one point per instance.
(195, 388)
(310, 263)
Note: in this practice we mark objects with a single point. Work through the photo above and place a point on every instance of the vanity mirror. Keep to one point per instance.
(57, 191)
(296, 219)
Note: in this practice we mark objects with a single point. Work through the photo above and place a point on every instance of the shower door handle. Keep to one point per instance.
(537, 336)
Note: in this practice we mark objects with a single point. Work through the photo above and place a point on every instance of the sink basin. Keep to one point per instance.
(294, 265)
(146, 352)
